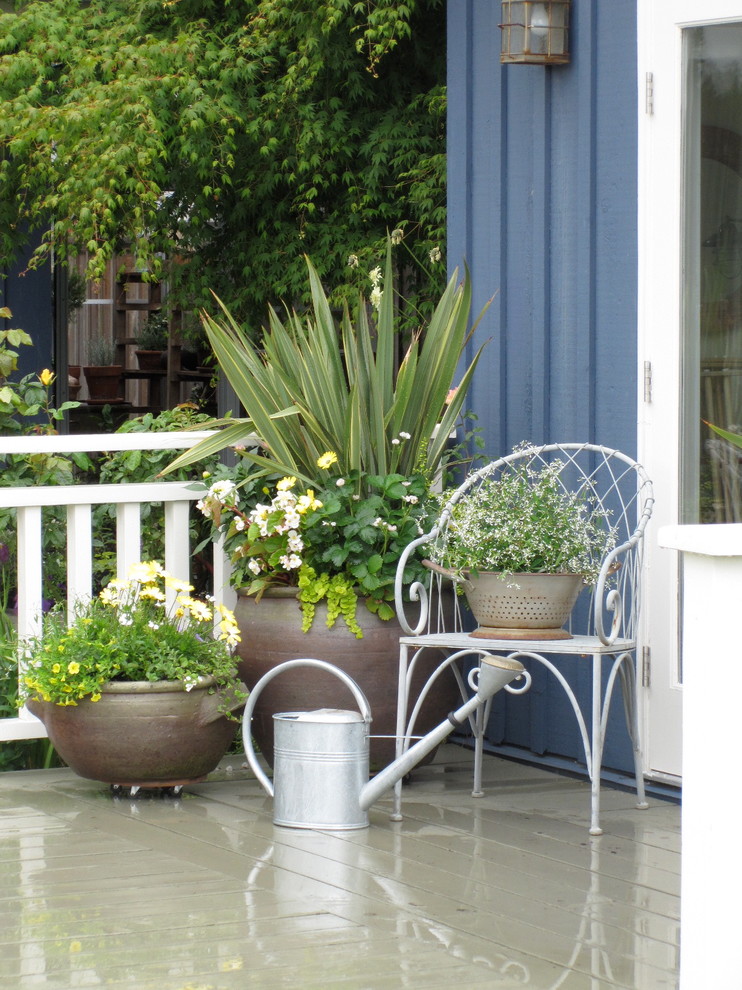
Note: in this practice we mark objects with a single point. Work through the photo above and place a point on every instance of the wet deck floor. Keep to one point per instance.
(205, 893)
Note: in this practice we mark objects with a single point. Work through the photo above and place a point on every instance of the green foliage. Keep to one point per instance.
(314, 386)
(336, 544)
(136, 466)
(9, 340)
(153, 334)
(230, 138)
(101, 353)
(26, 408)
(130, 633)
(733, 438)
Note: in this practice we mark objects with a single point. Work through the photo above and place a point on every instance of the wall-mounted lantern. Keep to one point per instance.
(535, 33)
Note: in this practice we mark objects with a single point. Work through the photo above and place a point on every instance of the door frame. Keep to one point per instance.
(660, 278)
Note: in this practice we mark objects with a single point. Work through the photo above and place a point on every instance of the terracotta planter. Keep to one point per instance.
(104, 382)
(141, 733)
(150, 360)
(271, 633)
(522, 606)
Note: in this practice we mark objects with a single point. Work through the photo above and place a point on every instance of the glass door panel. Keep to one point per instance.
(711, 469)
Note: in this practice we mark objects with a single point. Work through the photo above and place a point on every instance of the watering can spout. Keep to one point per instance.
(494, 674)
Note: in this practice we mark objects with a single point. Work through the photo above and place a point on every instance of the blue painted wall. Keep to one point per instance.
(542, 206)
(29, 296)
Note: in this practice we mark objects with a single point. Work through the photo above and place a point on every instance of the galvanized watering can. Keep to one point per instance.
(321, 758)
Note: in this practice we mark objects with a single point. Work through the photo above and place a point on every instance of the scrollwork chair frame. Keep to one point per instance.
(610, 622)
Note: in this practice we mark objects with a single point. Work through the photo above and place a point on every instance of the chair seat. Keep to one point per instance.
(581, 645)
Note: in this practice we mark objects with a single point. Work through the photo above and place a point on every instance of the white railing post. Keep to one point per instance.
(30, 595)
(79, 501)
(128, 537)
(79, 555)
(177, 545)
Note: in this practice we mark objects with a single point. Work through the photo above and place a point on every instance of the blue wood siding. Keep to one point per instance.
(542, 203)
(28, 295)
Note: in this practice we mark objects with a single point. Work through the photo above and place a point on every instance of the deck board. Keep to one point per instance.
(205, 893)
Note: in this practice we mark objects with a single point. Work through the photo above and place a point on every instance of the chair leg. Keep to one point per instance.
(596, 746)
(631, 710)
(396, 814)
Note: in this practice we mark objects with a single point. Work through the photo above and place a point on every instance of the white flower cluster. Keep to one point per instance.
(376, 291)
(220, 494)
(525, 521)
(383, 524)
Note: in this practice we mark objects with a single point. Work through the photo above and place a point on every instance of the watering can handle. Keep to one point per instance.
(287, 665)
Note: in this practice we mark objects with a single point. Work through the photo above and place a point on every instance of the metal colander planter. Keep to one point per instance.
(522, 606)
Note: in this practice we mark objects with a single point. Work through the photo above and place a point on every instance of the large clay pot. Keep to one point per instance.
(141, 733)
(104, 382)
(271, 633)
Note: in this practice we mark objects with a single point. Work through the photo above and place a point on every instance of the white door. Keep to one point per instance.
(690, 308)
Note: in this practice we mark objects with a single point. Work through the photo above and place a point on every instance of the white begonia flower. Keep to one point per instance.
(254, 565)
(412, 499)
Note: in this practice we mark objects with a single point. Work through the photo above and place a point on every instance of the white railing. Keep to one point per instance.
(79, 501)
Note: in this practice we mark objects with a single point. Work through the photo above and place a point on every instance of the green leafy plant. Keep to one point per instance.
(524, 521)
(333, 545)
(220, 141)
(131, 633)
(9, 340)
(153, 333)
(731, 437)
(315, 385)
(320, 394)
(101, 353)
(26, 408)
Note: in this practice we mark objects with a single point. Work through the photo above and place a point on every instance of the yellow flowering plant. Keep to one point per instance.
(146, 628)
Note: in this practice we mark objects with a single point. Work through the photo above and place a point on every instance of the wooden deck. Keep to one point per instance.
(205, 893)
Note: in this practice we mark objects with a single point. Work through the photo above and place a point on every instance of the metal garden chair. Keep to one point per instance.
(606, 633)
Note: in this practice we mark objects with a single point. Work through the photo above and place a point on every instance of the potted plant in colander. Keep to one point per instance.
(522, 546)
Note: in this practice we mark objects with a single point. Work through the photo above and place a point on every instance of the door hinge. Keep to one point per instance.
(646, 666)
(647, 381)
(649, 93)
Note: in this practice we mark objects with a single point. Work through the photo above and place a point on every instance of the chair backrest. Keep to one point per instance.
(611, 482)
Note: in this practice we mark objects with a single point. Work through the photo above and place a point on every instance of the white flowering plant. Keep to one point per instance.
(146, 628)
(525, 521)
(337, 543)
